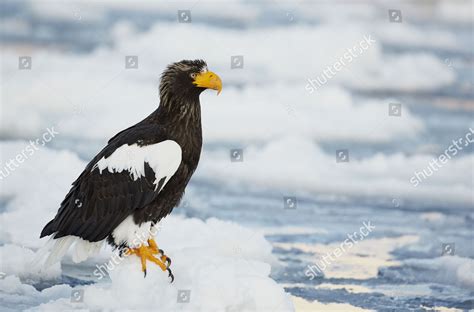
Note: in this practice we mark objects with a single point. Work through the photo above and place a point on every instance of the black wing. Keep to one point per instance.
(98, 202)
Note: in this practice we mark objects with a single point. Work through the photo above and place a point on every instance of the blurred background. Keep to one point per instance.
(305, 165)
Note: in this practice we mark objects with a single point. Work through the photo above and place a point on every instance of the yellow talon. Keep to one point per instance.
(146, 253)
(153, 245)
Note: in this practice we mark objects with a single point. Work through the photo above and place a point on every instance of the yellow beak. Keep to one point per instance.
(209, 80)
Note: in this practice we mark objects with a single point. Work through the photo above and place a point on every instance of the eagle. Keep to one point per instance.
(138, 177)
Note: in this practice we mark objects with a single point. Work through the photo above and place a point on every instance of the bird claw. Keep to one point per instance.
(170, 275)
(146, 253)
(164, 258)
(168, 262)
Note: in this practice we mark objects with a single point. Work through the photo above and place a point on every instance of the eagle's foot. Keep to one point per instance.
(146, 253)
(170, 275)
(164, 258)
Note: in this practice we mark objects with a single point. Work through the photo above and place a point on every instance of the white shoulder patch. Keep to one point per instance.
(164, 158)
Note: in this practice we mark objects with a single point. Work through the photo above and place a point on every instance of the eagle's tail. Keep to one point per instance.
(55, 249)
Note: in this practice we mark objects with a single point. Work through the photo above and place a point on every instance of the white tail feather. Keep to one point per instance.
(42, 253)
(59, 249)
(84, 249)
(55, 249)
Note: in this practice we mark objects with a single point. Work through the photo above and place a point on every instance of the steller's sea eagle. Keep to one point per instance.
(139, 177)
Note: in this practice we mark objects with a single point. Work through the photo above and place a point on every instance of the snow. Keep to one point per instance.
(414, 70)
(453, 270)
(209, 257)
(411, 36)
(456, 12)
(77, 107)
(17, 260)
(250, 12)
(288, 135)
(16, 295)
(224, 266)
(296, 164)
(34, 187)
(293, 111)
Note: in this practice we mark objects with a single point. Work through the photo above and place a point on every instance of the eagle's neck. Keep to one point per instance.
(182, 120)
(183, 112)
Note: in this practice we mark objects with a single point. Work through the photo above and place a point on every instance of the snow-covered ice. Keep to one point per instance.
(299, 165)
(233, 244)
(218, 266)
(222, 264)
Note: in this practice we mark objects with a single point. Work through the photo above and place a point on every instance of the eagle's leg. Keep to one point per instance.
(163, 257)
(146, 253)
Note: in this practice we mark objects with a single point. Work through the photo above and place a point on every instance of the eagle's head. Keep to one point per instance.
(187, 79)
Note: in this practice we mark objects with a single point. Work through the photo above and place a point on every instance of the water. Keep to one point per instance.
(401, 265)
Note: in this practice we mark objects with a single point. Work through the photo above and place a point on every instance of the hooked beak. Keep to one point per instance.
(209, 80)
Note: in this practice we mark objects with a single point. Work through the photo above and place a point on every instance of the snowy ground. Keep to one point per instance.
(247, 233)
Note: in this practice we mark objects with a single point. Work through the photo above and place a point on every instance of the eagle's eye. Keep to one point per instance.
(193, 75)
